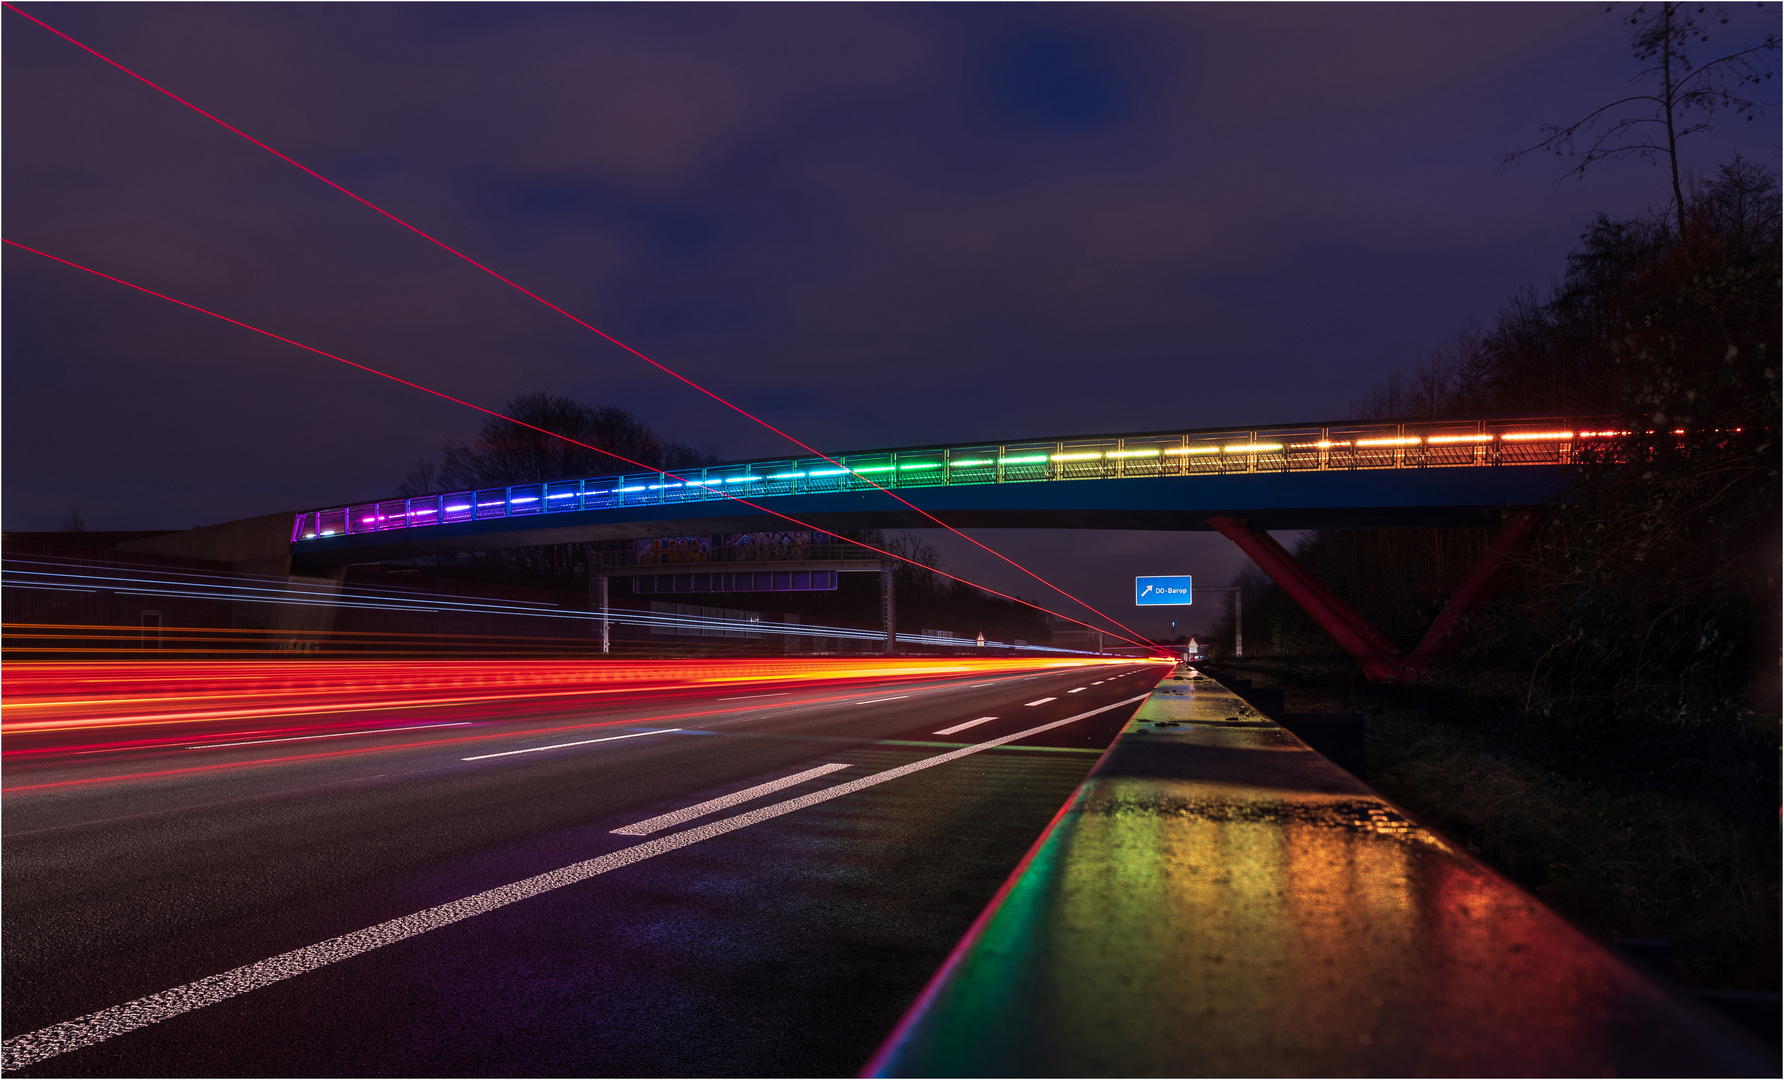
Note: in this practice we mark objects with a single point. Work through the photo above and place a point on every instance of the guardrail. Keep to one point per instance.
(1204, 452)
(1218, 900)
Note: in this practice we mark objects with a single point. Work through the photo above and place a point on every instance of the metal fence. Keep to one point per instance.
(1313, 448)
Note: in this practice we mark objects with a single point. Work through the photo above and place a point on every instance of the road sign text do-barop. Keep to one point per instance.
(1161, 591)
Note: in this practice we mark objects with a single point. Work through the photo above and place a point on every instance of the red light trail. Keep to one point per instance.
(573, 318)
(521, 423)
(53, 710)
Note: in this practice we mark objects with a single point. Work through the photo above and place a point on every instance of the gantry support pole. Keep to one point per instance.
(598, 599)
(889, 610)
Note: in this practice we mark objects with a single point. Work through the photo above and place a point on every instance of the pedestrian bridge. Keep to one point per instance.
(1379, 474)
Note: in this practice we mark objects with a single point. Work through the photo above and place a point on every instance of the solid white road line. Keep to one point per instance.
(562, 745)
(336, 735)
(874, 700)
(976, 685)
(1043, 701)
(689, 813)
(963, 727)
(96, 1027)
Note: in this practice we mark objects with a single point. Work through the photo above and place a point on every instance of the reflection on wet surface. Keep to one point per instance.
(1221, 900)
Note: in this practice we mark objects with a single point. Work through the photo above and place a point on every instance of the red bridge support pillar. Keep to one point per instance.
(1380, 660)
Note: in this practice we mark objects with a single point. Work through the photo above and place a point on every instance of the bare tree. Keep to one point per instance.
(1651, 125)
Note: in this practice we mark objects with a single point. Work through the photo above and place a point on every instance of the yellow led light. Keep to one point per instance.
(1076, 457)
(1409, 440)
(1252, 448)
(1440, 439)
(1132, 453)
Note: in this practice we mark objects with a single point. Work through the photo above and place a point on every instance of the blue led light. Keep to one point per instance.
(455, 509)
(654, 487)
(640, 487)
(532, 499)
(786, 476)
(828, 472)
(565, 495)
(742, 479)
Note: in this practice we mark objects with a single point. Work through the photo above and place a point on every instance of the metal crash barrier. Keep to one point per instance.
(1219, 899)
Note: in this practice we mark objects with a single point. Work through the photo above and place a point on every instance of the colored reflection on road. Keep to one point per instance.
(1219, 900)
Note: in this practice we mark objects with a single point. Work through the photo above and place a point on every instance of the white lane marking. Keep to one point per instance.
(96, 1027)
(963, 727)
(752, 697)
(1043, 701)
(689, 813)
(873, 700)
(335, 735)
(976, 685)
(1077, 689)
(562, 745)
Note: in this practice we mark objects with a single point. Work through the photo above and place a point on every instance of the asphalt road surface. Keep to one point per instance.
(735, 882)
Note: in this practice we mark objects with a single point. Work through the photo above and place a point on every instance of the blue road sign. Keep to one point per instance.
(1161, 591)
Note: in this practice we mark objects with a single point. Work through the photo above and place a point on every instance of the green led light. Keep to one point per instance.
(1077, 457)
(972, 464)
(1028, 459)
(922, 465)
(875, 468)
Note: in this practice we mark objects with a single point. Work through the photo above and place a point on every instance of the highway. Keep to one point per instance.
(745, 878)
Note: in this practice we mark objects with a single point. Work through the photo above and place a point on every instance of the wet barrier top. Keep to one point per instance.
(1219, 900)
(1374, 474)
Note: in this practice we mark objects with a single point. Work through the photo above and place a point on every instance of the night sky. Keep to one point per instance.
(875, 225)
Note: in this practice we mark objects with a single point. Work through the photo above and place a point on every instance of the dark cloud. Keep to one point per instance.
(872, 224)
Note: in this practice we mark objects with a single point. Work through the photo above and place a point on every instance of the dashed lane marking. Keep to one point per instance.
(96, 1027)
(564, 745)
(963, 727)
(698, 810)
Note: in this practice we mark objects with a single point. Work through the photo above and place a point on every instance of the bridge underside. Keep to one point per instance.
(1364, 499)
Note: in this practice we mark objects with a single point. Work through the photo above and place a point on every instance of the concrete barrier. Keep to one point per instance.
(1219, 899)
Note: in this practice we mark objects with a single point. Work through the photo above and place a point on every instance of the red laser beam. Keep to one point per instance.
(535, 427)
(585, 325)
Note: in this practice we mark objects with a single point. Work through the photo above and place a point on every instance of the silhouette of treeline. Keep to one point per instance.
(1606, 731)
(1653, 591)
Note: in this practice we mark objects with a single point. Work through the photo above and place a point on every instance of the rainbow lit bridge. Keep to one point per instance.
(1356, 475)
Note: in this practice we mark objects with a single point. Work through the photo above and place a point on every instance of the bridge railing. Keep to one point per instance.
(1309, 448)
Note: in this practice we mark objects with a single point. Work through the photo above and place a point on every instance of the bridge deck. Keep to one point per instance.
(1307, 476)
